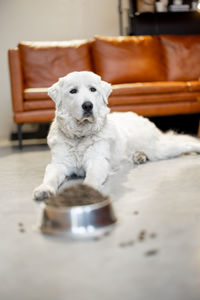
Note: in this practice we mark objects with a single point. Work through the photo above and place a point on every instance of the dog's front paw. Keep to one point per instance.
(42, 192)
(139, 158)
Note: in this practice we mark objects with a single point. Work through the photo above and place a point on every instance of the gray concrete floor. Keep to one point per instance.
(161, 198)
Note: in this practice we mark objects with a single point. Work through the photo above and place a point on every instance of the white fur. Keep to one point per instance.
(92, 146)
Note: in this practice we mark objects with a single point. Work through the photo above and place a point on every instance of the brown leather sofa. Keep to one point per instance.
(150, 75)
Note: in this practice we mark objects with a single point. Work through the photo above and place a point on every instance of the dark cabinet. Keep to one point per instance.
(181, 23)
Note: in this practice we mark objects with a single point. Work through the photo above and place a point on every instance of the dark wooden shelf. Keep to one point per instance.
(181, 23)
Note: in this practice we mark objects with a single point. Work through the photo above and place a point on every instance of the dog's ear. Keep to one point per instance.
(54, 91)
(106, 90)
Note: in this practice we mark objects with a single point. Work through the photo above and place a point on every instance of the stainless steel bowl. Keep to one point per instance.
(86, 221)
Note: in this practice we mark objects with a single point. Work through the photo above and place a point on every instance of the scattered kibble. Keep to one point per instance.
(136, 212)
(128, 243)
(142, 235)
(153, 235)
(21, 227)
(97, 238)
(151, 252)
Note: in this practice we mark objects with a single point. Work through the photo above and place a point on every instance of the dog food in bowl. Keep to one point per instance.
(76, 195)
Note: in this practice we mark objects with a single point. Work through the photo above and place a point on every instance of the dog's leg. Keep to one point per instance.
(54, 176)
(171, 145)
(96, 172)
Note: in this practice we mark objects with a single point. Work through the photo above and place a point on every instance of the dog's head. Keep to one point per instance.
(81, 95)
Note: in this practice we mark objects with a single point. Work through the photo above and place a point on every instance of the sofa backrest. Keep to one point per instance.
(44, 62)
(116, 59)
(129, 59)
(182, 55)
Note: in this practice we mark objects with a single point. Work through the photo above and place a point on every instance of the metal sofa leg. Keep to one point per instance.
(19, 132)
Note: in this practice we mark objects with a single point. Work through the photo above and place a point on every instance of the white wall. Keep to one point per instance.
(40, 20)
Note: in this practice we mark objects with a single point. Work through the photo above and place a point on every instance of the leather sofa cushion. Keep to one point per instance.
(154, 92)
(182, 56)
(128, 59)
(127, 89)
(36, 94)
(160, 109)
(44, 62)
(38, 105)
(193, 86)
(35, 116)
(153, 98)
(147, 88)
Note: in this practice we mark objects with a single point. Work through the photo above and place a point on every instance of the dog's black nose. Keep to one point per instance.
(87, 106)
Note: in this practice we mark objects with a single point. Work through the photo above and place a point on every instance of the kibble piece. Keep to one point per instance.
(151, 252)
(130, 243)
(153, 235)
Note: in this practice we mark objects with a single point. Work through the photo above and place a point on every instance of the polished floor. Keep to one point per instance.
(153, 252)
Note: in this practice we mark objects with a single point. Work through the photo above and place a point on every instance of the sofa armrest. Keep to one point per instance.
(16, 80)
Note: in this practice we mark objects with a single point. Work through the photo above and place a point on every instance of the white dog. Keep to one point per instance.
(88, 141)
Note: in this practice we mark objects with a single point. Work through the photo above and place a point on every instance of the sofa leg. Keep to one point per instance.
(19, 132)
(198, 132)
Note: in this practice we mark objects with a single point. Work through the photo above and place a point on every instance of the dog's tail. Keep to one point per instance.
(171, 144)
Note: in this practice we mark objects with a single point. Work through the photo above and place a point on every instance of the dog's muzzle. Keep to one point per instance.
(87, 107)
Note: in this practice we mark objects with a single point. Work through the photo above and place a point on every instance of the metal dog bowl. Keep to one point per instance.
(85, 221)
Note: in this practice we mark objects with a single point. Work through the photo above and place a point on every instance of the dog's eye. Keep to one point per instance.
(92, 89)
(73, 91)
